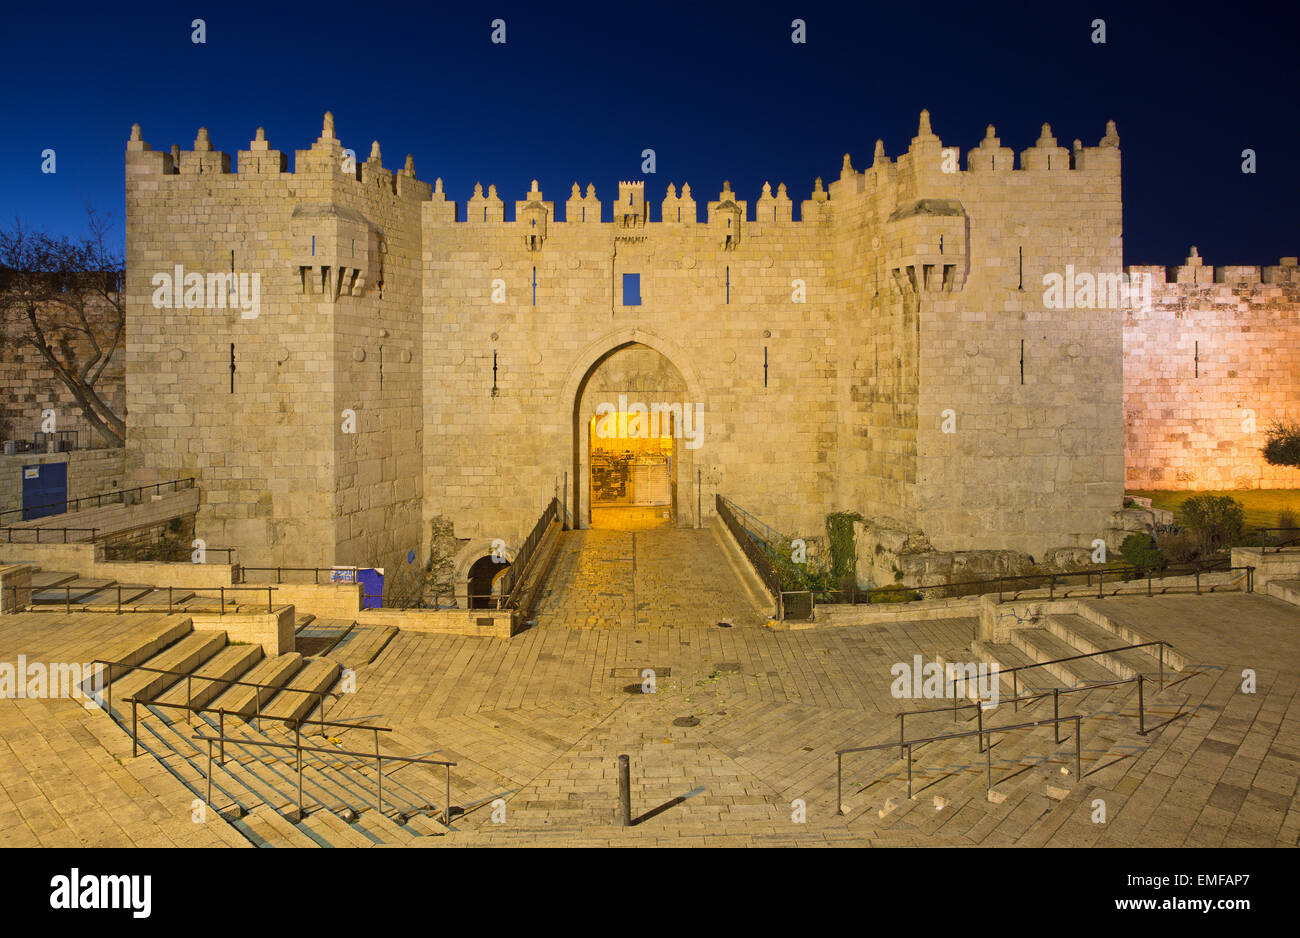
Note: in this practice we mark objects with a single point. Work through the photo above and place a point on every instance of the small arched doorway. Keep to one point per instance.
(478, 584)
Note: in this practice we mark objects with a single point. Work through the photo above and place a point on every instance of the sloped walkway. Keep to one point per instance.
(663, 578)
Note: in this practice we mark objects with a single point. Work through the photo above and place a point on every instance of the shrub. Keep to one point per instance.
(1217, 521)
(894, 596)
(1179, 546)
(1141, 551)
(1282, 444)
(843, 543)
(1286, 518)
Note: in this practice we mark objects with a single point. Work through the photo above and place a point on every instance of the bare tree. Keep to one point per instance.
(66, 298)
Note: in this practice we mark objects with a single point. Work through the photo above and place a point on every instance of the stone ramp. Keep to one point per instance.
(660, 578)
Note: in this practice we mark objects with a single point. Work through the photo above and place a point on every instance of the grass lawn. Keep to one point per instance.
(1261, 505)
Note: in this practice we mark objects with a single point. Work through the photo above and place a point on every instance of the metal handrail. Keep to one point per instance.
(120, 495)
(1055, 693)
(512, 581)
(770, 535)
(10, 529)
(1015, 672)
(1277, 548)
(1125, 574)
(986, 748)
(222, 711)
(299, 749)
(758, 559)
(68, 588)
(315, 571)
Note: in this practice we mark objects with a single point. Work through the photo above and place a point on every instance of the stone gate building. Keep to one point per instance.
(383, 358)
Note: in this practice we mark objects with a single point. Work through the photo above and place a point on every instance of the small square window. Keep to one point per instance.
(631, 289)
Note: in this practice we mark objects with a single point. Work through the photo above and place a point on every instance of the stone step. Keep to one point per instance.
(1042, 645)
(235, 778)
(44, 579)
(185, 655)
(319, 636)
(362, 645)
(302, 695)
(275, 672)
(157, 598)
(1286, 590)
(132, 650)
(336, 830)
(227, 665)
(1126, 634)
(118, 593)
(276, 831)
(1008, 657)
(384, 828)
(170, 745)
(1088, 636)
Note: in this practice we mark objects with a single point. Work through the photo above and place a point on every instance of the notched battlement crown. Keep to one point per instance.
(926, 168)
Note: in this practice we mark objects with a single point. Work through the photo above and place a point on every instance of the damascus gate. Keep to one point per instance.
(351, 363)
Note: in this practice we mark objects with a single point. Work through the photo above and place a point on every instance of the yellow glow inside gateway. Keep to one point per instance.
(631, 471)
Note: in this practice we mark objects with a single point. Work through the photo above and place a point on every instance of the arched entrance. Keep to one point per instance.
(479, 581)
(635, 431)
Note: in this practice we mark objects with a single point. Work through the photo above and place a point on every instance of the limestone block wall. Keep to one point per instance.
(262, 447)
(1031, 392)
(877, 347)
(377, 359)
(493, 461)
(1207, 369)
(28, 387)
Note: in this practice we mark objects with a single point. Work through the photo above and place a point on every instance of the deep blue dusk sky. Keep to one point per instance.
(717, 90)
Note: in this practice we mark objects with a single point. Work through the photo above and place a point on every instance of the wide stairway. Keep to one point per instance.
(1033, 775)
(180, 682)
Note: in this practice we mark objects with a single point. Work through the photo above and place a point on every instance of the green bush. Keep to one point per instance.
(1282, 444)
(893, 596)
(1179, 546)
(1216, 521)
(843, 543)
(1286, 518)
(1140, 551)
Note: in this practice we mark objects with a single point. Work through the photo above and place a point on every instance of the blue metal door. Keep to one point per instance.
(45, 490)
(372, 588)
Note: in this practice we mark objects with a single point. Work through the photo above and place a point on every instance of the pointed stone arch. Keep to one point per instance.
(586, 364)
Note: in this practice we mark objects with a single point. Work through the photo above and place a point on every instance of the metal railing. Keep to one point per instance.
(905, 745)
(748, 542)
(9, 534)
(118, 495)
(298, 748)
(1055, 693)
(1288, 537)
(512, 581)
(986, 748)
(90, 594)
(1016, 584)
(227, 683)
(1015, 672)
(314, 571)
(768, 536)
(221, 712)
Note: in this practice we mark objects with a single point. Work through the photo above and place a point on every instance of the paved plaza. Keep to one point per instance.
(645, 644)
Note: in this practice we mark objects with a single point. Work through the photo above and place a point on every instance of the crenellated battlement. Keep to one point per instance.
(1194, 273)
(927, 168)
(327, 156)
